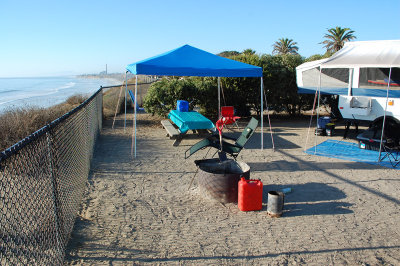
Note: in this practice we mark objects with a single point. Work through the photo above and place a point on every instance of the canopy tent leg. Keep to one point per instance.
(269, 120)
(219, 97)
(312, 114)
(126, 92)
(319, 98)
(133, 147)
(262, 115)
(384, 114)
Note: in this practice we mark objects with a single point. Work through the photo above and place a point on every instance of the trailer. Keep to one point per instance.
(365, 75)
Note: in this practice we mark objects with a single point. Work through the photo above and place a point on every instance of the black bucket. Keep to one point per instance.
(275, 203)
(219, 179)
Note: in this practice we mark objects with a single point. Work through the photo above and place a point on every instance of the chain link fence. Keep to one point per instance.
(42, 180)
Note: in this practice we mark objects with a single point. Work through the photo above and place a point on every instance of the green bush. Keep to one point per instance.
(280, 84)
(163, 95)
(279, 76)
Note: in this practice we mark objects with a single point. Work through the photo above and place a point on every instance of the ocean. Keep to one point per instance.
(46, 91)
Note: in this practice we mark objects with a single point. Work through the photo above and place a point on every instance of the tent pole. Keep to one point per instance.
(312, 114)
(384, 114)
(126, 91)
(262, 114)
(269, 120)
(219, 97)
(319, 97)
(116, 108)
(135, 107)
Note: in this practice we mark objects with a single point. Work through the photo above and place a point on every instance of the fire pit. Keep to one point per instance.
(219, 179)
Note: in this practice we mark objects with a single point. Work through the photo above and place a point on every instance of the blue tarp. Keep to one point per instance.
(191, 61)
(350, 152)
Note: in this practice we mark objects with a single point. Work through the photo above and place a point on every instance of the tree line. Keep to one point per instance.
(279, 77)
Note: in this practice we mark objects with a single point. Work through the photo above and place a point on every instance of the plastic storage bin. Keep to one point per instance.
(322, 121)
(182, 106)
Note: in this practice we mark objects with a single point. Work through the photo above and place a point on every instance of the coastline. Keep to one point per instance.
(48, 91)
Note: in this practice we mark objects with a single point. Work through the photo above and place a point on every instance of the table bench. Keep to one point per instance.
(172, 132)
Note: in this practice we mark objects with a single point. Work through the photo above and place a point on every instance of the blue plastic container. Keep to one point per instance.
(182, 106)
(322, 121)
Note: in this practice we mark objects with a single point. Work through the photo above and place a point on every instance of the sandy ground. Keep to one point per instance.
(140, 211)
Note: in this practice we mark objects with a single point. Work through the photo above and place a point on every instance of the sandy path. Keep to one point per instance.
(141, 211)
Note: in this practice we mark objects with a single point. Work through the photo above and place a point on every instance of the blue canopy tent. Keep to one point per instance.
(190, 61)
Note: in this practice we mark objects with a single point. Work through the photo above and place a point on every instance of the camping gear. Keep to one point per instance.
(329, 129)
(228, 115)
(138, 108)
(250, 194)
(191, 120)
(227, 118)
(231, 149)
(320, 132)
(182, 106)
(363, 74)
(349, 151)
(190, 61)
(219, 180)
(275, 203)
(322, 121)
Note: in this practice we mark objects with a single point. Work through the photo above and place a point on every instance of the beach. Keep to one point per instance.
(141, 211)
(47, 91)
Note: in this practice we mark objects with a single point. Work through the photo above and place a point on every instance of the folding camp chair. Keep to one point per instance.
(227, 147)
(228, 114)
(391, 151)
(134, 102)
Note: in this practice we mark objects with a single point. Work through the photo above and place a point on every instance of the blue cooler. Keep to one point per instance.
(322, 121)
(182, 106)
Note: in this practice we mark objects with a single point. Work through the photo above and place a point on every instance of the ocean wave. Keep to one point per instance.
(66, 86)
(46, 91)
(8, 91)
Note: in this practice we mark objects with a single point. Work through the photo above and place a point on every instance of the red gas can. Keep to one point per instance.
(250, 195)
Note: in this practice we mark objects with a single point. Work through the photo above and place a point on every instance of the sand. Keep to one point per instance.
(141, 212)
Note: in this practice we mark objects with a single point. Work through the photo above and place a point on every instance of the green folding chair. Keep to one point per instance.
(233, 149)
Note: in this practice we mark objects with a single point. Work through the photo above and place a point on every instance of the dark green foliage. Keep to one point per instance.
(280, 84)
(228, 53)
(243, 93)
(162, 95)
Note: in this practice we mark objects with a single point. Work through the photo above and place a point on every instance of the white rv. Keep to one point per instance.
(365, 75)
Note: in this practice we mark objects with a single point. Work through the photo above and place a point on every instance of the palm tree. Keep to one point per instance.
(249, 52)
(285, 46)
(336, 37)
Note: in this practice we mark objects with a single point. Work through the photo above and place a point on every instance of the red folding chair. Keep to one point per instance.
(228, 115)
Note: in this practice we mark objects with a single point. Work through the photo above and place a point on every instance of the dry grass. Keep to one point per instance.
(17, 123)
(110, 101)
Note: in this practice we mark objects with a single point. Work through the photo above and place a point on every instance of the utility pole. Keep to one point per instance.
(106, 69)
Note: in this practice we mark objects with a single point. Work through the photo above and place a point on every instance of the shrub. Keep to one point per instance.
(163, 95)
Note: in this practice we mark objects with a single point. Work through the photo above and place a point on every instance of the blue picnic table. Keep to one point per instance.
(191, 120)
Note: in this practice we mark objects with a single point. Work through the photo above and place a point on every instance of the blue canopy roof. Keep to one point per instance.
(191, 61)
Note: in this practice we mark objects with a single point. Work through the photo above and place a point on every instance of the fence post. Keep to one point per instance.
(54, 187)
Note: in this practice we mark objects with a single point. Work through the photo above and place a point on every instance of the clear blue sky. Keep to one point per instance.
(47, 38)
